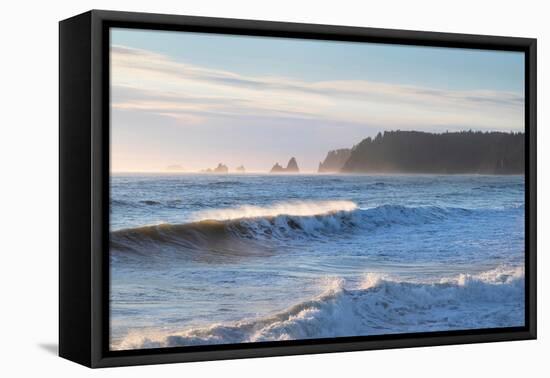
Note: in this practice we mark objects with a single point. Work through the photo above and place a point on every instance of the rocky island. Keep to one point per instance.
(291, 167)
(221, 168)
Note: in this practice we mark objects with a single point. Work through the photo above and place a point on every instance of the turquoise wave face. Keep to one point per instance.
(246, 255)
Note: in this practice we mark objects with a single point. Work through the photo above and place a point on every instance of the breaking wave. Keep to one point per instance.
(379, 305)
(251, 230)
(219, 235)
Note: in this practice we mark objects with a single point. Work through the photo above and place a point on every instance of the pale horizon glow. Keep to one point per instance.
(188, 101)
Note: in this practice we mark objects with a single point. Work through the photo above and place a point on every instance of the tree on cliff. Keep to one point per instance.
(335, 160)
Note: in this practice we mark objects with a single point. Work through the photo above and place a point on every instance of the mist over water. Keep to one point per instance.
(202, 259)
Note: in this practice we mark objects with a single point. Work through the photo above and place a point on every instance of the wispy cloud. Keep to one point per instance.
(150, 82)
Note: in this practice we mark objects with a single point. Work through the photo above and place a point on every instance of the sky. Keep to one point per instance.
(193, 100)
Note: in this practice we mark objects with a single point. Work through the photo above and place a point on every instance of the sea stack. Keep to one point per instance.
(221, 168)
(277, 168)
(291, 167)
(240, 169)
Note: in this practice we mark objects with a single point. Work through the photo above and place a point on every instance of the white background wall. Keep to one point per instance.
(29, 215)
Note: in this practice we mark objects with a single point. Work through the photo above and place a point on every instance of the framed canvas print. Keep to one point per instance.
(234, 188)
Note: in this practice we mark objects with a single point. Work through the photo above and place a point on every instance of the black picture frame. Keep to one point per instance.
(84, 187)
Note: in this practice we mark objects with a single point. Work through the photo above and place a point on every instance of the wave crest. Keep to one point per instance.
(228, 233)
(291, 208)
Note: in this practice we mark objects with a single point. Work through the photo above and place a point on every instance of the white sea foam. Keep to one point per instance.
(379, 305)
(290, 208)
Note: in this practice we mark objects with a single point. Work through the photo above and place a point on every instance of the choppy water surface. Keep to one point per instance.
(201, 259)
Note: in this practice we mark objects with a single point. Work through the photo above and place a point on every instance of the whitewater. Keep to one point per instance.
(221, 259)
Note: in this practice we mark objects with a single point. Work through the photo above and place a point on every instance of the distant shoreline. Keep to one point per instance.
(400, 152)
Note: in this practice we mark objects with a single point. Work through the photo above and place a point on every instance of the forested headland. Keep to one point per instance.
(422, 152)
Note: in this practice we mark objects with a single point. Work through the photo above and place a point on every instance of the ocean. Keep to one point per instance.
(201, 259)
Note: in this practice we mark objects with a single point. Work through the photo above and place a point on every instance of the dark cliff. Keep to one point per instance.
(334, 161)
(457, 152)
